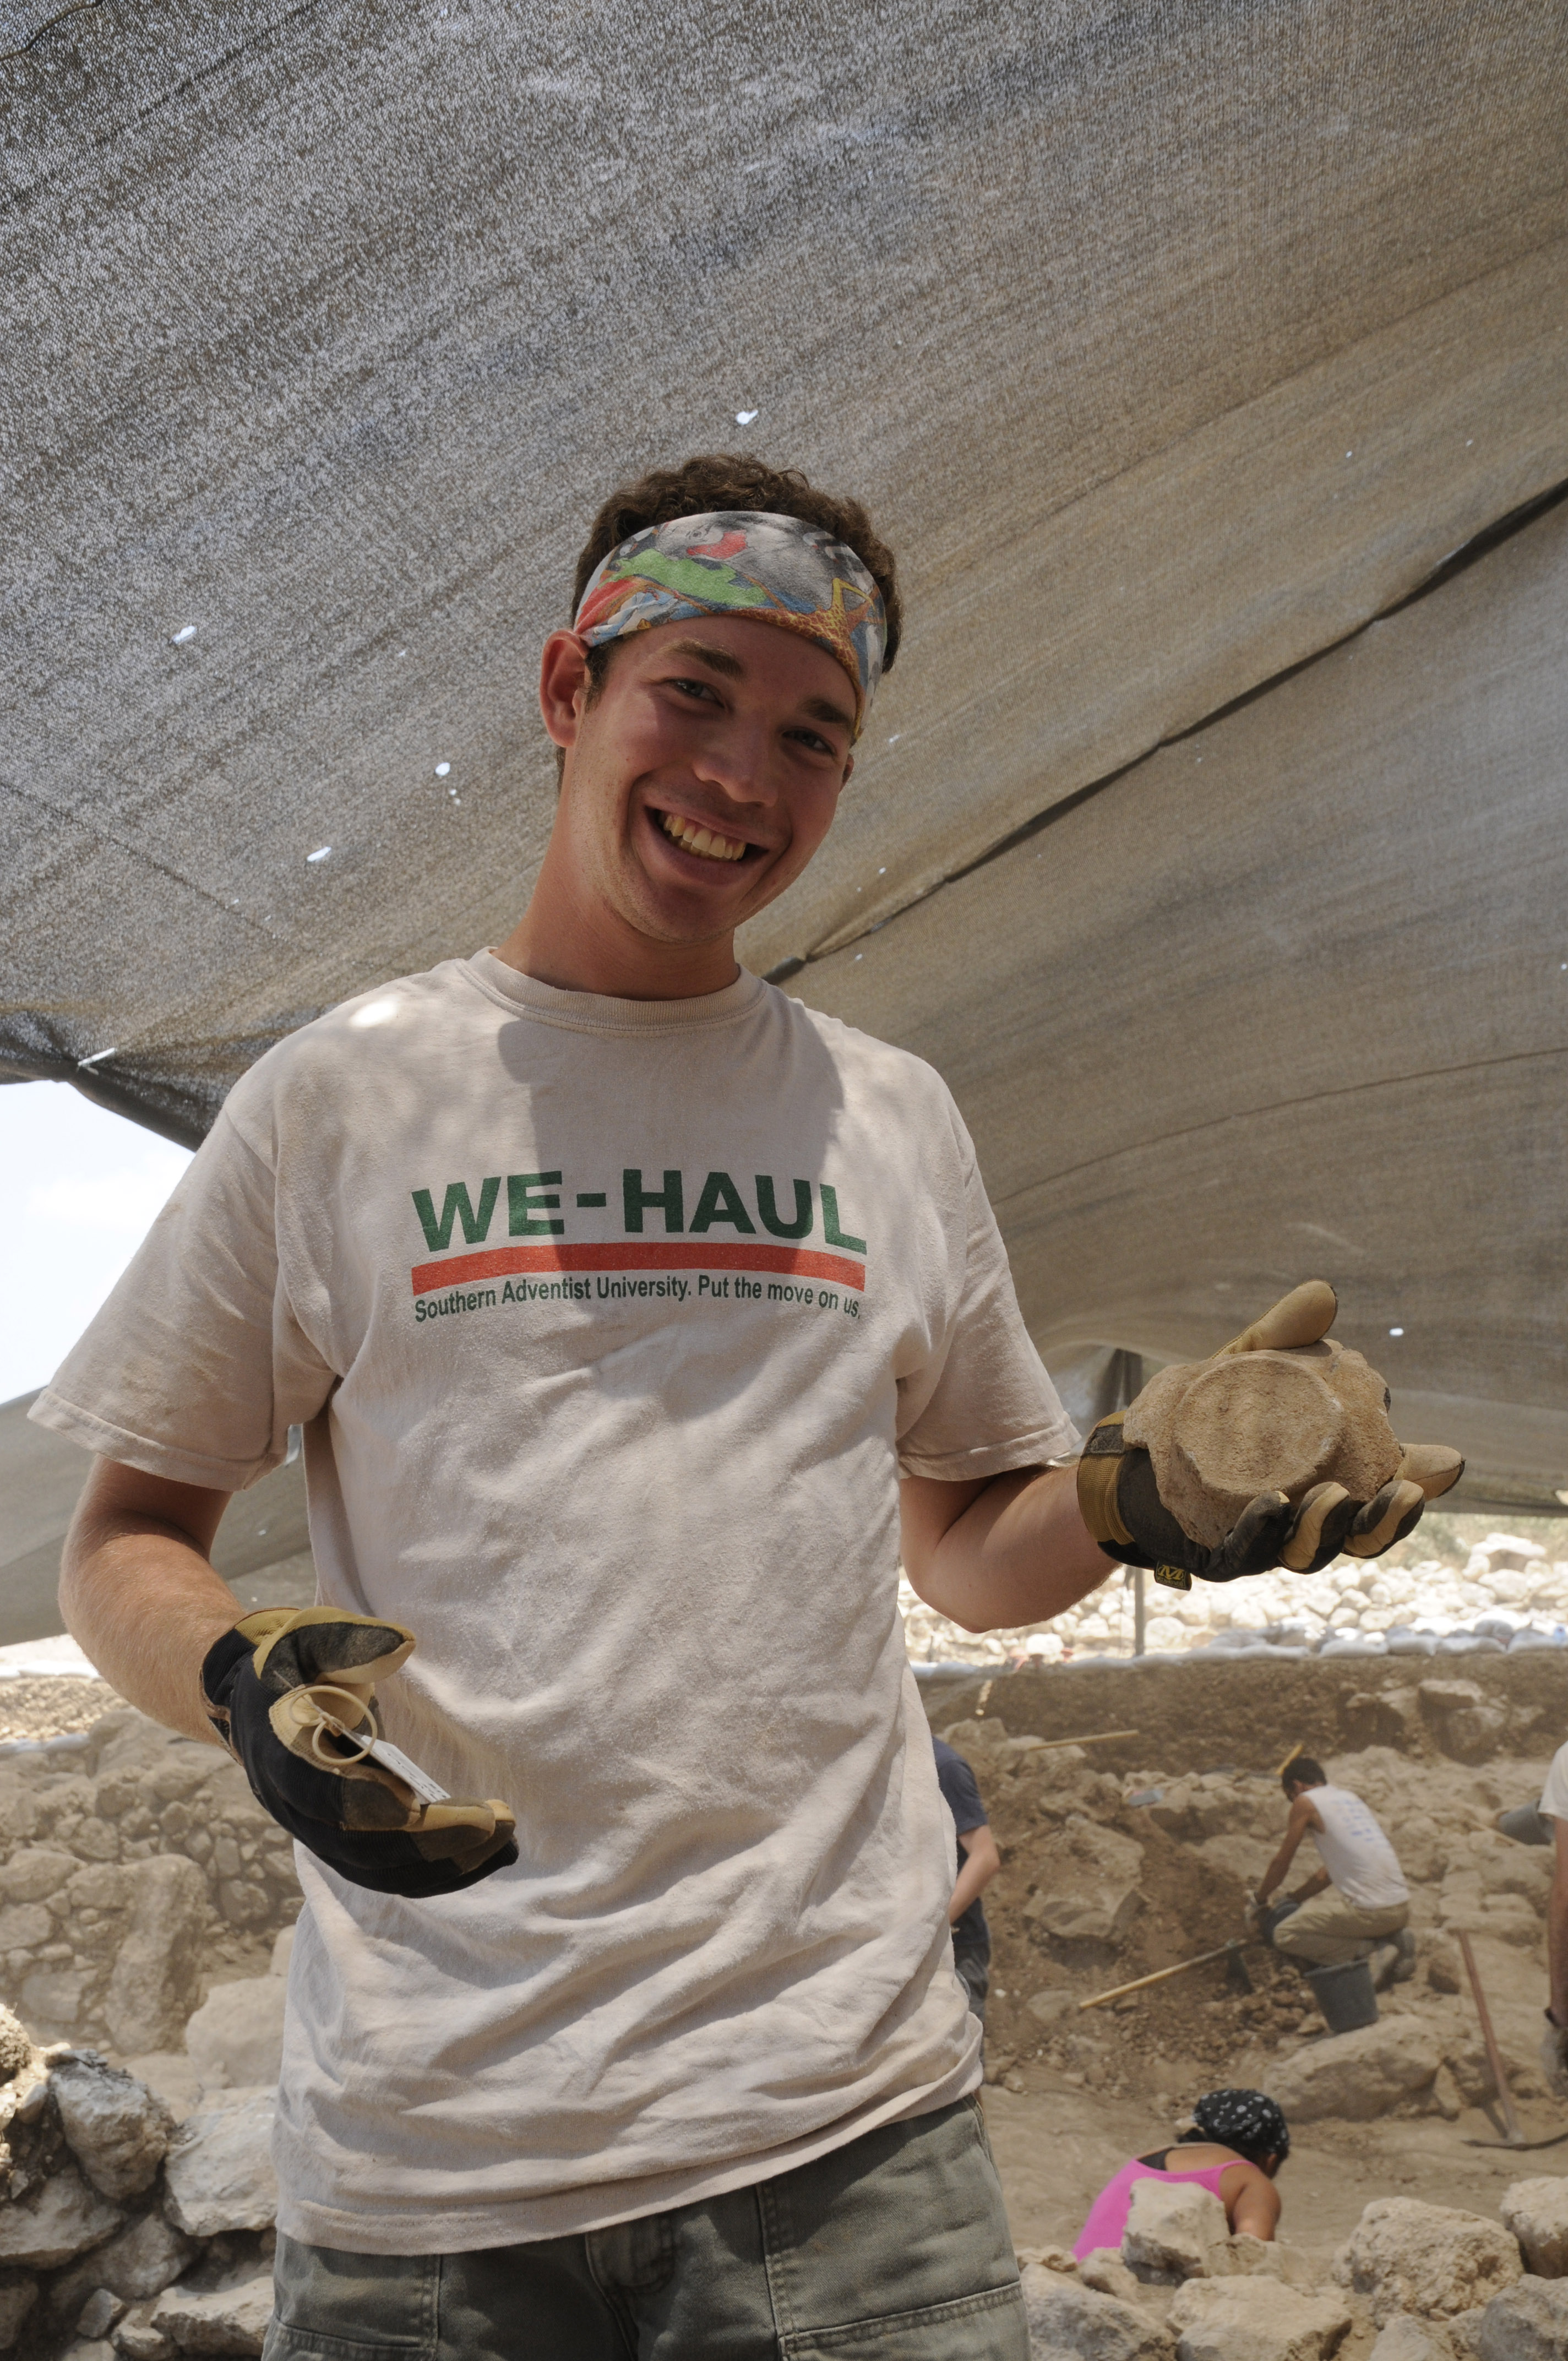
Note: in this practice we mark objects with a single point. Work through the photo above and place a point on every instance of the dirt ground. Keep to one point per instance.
(1057, 2147)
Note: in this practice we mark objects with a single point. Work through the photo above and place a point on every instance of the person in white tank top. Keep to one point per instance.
(1358, 1902)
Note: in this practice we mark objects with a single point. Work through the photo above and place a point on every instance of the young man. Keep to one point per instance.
(636, 1316)
(1358, 1902)
(978, 1862)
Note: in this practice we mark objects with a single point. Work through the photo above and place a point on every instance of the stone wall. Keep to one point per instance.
(135, 1866)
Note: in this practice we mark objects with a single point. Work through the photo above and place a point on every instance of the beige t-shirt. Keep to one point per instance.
(611, 1325)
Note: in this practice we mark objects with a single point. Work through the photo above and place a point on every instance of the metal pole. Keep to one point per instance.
(1140, 1610)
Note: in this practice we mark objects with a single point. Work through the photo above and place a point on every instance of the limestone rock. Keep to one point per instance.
(172, 2074)
(17, 2300)
(1537, 2213)
(154, 1982)
(1272, 2258)
(35, 1873)
(1527, 2323)
(1255, 2320)
(219, 2171)
(1054, 2259)
(1466, 1726)
(236, 2036)
(116, 2128)
(1089, 1883)
(1357, 2075)
(1404, 2256)
(135, 2339)
(233, 2321)
(1177, 2230)
(16, 2049)
(51, 2000)
(1072, 2323)
(54, 2223)
(1406, 2338)
(1052, 2007)
(99, 2313)
(1105, 2270)
(141, 2261)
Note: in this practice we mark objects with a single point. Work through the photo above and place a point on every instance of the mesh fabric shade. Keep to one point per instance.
(1168, 346)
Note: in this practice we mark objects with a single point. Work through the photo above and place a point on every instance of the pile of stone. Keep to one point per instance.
(124, 2230)
(1509, 1594)
(1427, 2282)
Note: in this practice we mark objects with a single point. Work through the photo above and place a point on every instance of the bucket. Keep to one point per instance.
(1344, 1994)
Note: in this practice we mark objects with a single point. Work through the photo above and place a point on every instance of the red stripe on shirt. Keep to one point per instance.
(500, 1262)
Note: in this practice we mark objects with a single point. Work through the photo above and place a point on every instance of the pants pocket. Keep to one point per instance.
(332, 2306)
(990, 2326)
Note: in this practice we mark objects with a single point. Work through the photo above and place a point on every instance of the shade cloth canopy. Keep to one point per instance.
(1168, 346)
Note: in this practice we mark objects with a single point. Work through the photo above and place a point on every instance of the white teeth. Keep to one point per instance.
(700, 841)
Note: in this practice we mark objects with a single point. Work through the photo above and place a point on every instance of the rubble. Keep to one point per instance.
(1537, 2213)
(1253, 2320)
(1088, 1889)
(219, 2174)
(1527, 2322)
(1356, 2076)
(233, 2320)
(1068, 2321)
(1406, 2338)
(1507, 1593)
(1176, 2231)
(116, 2128)
(235, 2038)
(1428, 2259)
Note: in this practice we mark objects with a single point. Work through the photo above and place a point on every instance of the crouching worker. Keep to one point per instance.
(1238, 2141)
(1358, 1902)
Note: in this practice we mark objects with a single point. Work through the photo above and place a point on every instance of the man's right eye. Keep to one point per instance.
(696, 688)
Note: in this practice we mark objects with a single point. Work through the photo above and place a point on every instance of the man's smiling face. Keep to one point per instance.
(702, 778)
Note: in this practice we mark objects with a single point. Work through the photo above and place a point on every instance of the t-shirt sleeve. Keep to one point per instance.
(983, 1403)
(1554, 1795)
(961, 1792)
(196, 1366)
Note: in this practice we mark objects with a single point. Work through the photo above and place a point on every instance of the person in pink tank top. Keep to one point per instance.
(1238, 2141)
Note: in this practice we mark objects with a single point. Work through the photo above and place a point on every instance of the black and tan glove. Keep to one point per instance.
(281, 1689)
(1277, 1451)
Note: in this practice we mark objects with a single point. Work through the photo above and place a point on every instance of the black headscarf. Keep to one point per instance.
(1245, 2120)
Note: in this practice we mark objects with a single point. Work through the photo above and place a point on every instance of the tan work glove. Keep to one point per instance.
(1276, 1451)
(274, 1688)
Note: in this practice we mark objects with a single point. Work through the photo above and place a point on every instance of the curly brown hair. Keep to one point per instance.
(730, 479)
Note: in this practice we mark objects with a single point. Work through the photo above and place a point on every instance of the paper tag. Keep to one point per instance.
(392, 1758)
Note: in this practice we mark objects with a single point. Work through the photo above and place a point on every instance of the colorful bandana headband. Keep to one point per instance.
(735, 562)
